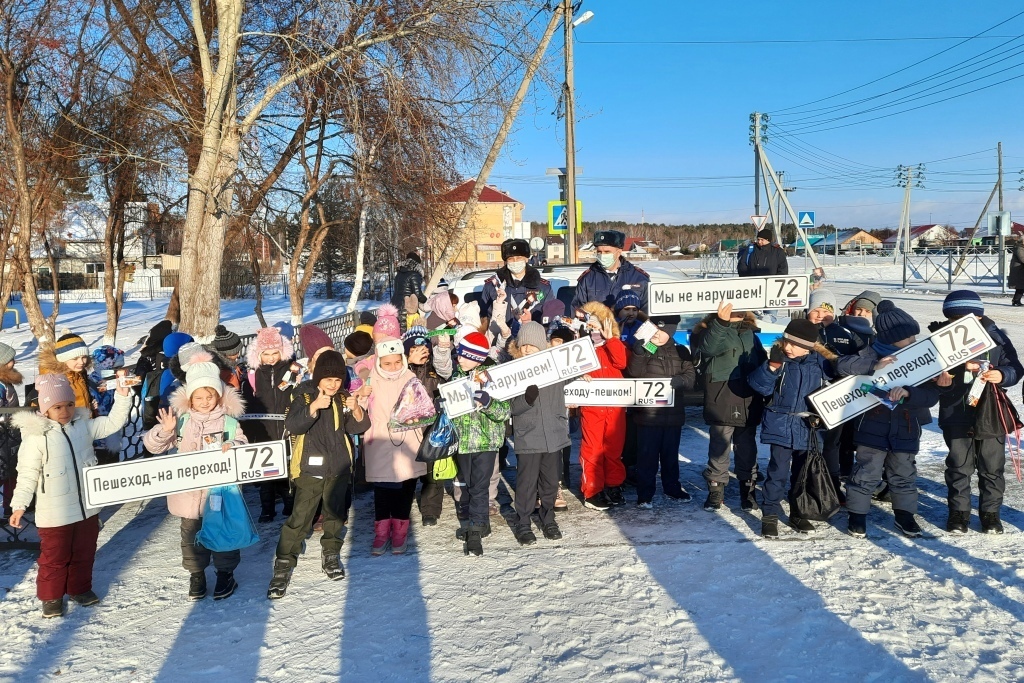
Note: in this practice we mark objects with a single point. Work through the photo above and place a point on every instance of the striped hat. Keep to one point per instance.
(473, 346)
(69, 347)
(962, 302)
(801, 332)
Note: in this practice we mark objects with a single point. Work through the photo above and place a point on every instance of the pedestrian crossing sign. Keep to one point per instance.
(558, 217)
(806, 219)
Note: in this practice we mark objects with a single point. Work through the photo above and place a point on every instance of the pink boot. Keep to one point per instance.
(382, 537)
(399, 535)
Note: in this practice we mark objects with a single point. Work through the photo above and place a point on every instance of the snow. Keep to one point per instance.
(676, 593)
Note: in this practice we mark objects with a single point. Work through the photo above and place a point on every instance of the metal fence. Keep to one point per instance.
(718, 264)
(956, 266)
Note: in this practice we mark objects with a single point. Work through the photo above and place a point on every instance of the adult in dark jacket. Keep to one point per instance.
(610, 274)
(726, 349)
(761, 258)
(658, 429)
(1016, 277)
(963, 425)
(526, 291)
(151, 356)
(408, 283)
(888, 440)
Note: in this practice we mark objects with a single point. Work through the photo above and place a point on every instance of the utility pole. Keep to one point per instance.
(1002, 229)
(907, 177)
(570, 137)
(755, 140)
(778, 199)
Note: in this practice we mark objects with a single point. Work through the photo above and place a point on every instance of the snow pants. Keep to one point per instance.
(742, 442)
(431, 495)
(476, 470)
(657, 446)
(536, 476)
(195, 557)
(604, 433)
(462, 486)
(988, 458)
(66, 557)
(310, 492)
(783, 467)
(900, 471)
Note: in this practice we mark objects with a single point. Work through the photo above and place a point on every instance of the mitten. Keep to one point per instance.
(532, 392)
(482, 397)
(777, 356)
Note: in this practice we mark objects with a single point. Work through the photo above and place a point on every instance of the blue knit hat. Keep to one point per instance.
(962, 302)
(174, 341)
(892, 324)
(626, 298)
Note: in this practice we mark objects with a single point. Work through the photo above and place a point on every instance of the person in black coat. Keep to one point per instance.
(409, 283)
(1016, 277)
(610, 275)
(525, 290)
(761, 258)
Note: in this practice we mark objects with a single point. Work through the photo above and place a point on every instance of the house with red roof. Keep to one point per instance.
(926, 236)
(491, 223)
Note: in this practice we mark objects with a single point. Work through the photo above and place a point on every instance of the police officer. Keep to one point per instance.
(526, 290)
(762, 258)
(611, 274)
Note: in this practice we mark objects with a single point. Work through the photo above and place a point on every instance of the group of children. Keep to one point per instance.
(368, 405)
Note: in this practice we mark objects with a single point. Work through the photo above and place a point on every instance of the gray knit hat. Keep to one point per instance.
(823, 298)
(532, 333)
(868, 300)
(6, 354)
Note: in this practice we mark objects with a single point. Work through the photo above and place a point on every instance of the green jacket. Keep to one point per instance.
(726, 351)
(483, 430)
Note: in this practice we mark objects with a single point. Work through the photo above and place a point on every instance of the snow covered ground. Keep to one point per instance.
(670, 594)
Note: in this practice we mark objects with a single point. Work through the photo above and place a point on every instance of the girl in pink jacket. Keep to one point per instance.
(207, 419)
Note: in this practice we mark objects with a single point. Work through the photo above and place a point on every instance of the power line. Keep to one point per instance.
(785, 41)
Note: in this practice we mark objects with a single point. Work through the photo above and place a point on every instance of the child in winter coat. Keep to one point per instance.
(540, 430)
(971, 446)
(321, 417)
(417, 352)
(481, 434)
(10, 439)
(207, 419)
(604, 428)
(563, 335)
(888, 440)
(56, 447)
(269, 391)
(794, 370)
(658, 429)
(70, 357)
(228, 347)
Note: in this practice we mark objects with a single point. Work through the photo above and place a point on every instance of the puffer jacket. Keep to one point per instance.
(10, 438)
(52, 458)
(839, 340)
(724, 355)
(483, 430)
(408, 280)
(890, 430)
(755, 261)
(670, 360)
(262, 396)
(789, 388)
(80, 382)
(597, 284)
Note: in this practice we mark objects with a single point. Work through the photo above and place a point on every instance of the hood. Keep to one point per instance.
(819, 348)
(49, 365)
(10, 375)
(231, 402)
(604, 315)
(252, 354)
(409, 265)
(749, 322)
(31, 423)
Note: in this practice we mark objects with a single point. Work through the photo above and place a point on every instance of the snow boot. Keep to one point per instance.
(802, 525)
(614, 495)
(279, 581)
(990, 523)
(552, 532)
(225, 586)
(429, 520)
(857, 526)
(748, 495)
(197, 586)
(86, 599)
(53, 608)
(381, 537)
(399, 536)
(266, 517)
(958, 522)
(330, 563)
(906, 523)
(460, 533)
(597, 502)
(682, 496)
(473, 544)
(770, 527)
(525, 536)
(716, 494)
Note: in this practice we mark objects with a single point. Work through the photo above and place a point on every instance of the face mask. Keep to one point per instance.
(389, 375)
(627, 316)
(606, 260)
(516, 267)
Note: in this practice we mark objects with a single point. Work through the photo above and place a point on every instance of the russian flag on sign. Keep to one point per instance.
(272, 472)
(977, 347)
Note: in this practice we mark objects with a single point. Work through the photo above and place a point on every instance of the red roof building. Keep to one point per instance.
(491, 223)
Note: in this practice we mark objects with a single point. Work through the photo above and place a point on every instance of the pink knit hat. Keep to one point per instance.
(387, 322)
(313, 339)
(53, 389)
(441, 305)
(268, 339)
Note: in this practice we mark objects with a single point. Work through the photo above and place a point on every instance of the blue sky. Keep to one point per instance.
(650, 112)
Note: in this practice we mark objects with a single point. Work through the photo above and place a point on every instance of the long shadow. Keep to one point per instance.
(114, 556)
(788, 633)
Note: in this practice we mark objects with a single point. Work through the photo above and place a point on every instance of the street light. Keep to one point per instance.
(570, 127)
(584, 18)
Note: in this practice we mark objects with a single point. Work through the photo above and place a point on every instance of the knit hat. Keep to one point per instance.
(359, 343)
(53, 389)
(330, 364)
(765, 234)
(312, 339)
(823, 298)
(287, 330)
(962, 302)
(563, 333)
(473, 346)
(892, 324)
(801, 332)
(551, 311)
(610, 238)
(415, 336)
(186, 352)
(389, 347)
(626, 297)
(367, 318)
(203, 373)
(69, 347)
(868, 300)
(105, 358)
(268, 339)
(387, 322)
(174, 341)
(441, 305)
(6, 354)
(226, 342)
(514, 247)
(532, 333)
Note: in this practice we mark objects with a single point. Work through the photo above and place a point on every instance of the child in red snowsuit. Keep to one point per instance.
(604, 429)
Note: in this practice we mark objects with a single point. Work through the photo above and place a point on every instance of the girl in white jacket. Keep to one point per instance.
(56, 446)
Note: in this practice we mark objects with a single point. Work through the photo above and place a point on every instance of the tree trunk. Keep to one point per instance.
(113, 240)
(357, 284)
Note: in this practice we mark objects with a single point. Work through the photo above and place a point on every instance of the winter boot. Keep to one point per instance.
(86, 599)
(473, 544)
(552, 532)
(525, 536)
(748, 495)
(266, 517)
(279, 581)
(381, 537)
(614, 495)
(682, 496)
(857, 526)
(429, 520)
(399, 536)
(330, 563)
(225, 586)
(958, 522)
(802, 525)
(461, 532)
(53, 608)
(197, 586)
(716, 494)
(906, 523)
(597, 502)
(990, 523)
(770, 527)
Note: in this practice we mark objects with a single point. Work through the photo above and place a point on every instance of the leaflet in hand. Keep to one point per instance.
(882, 395)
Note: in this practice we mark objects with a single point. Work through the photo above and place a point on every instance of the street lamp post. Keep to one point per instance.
(570, 127)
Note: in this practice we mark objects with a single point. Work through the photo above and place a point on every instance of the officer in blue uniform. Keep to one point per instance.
(526, 289)
(611, 274)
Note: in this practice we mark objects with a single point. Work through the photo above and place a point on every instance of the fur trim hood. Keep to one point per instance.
(604, 315)
(819, 348)
(49, 365)
(410, 265)
(10, 376)
(231, 402)
(749, 322)
(264, 341)
(32, 423)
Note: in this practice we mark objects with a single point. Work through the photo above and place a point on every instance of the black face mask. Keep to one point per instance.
(628, 317)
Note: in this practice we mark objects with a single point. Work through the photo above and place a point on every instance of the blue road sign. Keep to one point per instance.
(806, 219)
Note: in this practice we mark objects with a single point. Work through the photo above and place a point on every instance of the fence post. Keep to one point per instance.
(949, 271)
(149, 278)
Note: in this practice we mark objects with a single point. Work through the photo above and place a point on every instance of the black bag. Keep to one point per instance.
(440, 441)
(995, 416)
(813, 496)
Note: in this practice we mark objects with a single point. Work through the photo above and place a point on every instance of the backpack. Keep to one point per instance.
(150, 395)
(813, 496)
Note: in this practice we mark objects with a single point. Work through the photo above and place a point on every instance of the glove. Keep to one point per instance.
(777, 356)
(532, 392)
(482, 397)
(439, 405)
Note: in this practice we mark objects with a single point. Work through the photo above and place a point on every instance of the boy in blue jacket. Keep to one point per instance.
(796, 368)
(888, 440)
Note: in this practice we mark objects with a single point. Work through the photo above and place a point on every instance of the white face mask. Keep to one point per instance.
(516, 267)
(606, 260)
